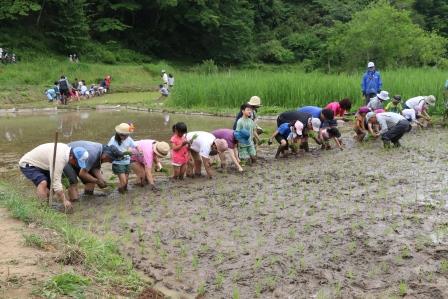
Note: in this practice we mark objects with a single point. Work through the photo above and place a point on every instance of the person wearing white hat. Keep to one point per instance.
(421, 104)
(124, 143)
(376, 103)
(144, 155)
(285, 134)
(371, 83)
(393, 126)
(306, 119)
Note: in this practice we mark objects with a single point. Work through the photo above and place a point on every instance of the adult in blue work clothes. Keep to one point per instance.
(371, 83)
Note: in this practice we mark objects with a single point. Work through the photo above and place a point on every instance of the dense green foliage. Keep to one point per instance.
(325, 34)
(291, 89)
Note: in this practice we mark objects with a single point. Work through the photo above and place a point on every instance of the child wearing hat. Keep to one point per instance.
(124, 143)
(395, 105)
(179, 151)
(144, 155)
(285, 133)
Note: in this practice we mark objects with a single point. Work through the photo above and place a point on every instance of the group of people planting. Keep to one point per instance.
(63, 91)
(189, 151)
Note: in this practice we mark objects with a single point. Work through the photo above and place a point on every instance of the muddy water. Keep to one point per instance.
(360, 223)
(20, 133)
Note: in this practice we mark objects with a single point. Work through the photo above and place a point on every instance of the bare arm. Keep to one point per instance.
(207, 166)
(235, 160)
(149, 176)
(87, 177)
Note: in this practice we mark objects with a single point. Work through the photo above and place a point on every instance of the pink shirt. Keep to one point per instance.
(144, 152)
(180, 156)
(338, 111)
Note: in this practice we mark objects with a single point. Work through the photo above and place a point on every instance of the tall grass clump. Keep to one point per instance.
(290, 89)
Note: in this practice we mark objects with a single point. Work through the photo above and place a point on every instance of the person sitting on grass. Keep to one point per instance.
(179, 150)
(84, 90)
(340, 108)
(164, 92)
(51, 95)
(37, 166)
(394, 105)
(360, 124)
(376, 103)
(233, 138)
(421, 104)
(247, 151)
(202, 146)
(144, 154)
(286, 133)
(393, 127)
(170, 81)
(124, 143)
(91, 174)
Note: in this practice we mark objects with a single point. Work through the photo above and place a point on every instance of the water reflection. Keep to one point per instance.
(24, 132)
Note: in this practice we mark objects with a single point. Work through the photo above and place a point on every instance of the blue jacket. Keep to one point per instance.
(371, 82)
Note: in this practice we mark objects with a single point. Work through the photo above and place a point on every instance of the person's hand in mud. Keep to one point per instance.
(270, 141)
(154, 188)
(101, 183)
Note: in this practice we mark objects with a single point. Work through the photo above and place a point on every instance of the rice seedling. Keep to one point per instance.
(219, 280)
(195, 262)
(235, 293)
(201, 290)
(178, 271)
(444, 266)
(402, 288)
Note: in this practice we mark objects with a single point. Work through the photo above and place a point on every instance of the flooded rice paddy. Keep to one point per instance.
(359, 223)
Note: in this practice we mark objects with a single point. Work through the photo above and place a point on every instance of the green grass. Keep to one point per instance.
(26, 81)
(103, 260)
(33, 240)
(68, 284)
(292, 89)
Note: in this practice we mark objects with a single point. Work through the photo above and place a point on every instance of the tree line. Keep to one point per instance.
(318, 33)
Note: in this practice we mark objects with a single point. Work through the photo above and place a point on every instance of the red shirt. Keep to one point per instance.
(337, 110)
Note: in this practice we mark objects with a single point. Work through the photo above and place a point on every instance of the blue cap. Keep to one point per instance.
(242, 136)
(81, 156)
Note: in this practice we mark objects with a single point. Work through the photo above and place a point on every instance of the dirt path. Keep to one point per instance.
(22, 268)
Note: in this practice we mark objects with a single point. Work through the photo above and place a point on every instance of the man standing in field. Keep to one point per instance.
(371, 83)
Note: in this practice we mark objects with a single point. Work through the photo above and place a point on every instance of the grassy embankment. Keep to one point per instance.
(22, 85)
(100, 260)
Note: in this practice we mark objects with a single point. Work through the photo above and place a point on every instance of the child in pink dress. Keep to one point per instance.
(179, 153)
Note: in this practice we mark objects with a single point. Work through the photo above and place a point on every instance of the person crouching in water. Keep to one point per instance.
(286, 133)
(233, 138)
(124, 143)
(247, 152)
(179, 150)
(393, 126)
(328, 133)
(144, 155)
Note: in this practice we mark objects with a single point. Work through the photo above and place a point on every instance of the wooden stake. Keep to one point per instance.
(50, 198)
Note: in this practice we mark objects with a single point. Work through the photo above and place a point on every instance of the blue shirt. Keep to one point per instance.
(124, 147)
(284, 130)
(313, 110)
(371, 82)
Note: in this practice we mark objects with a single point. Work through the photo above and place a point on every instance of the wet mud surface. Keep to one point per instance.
(363, 222)
(359, 223)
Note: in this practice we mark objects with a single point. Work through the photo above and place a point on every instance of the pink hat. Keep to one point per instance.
(221, 145)
(364, 110)
(299, 127)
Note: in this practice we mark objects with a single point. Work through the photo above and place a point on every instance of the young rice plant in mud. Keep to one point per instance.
(444, 266)
(402, 288)
(219, 280)
(34, 240)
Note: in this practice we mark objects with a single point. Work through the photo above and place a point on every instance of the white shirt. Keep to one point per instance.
(165, 78)
(388, 120)
(84, 89)
(417, 103)
(202, 144)
(409, 114)
(170, 81)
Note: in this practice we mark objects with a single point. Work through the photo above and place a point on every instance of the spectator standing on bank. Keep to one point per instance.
(371, 83)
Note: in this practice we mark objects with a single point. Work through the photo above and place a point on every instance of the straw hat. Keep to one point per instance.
(161, 148)
(123, 128)
(430, 100)
(255, 101)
